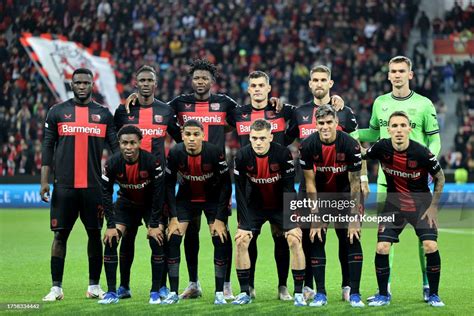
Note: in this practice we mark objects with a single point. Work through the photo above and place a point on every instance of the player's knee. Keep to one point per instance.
(294, 243)
(61, 236)
(430, 246)
(383, 248)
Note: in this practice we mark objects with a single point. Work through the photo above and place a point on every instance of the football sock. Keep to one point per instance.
(164, 275)
(318, 263)
(57, 270)
(94, 251)
(243, 276)
(157, 264)
(173, 261)
(382, 271)
(298, 278)
(253, 254)
(126, 255)
(220, 261)
(229, 259)
(58, 254)
(343, 255)
(355, 264)
(307, 245)
(433, 270)
(282, 259)
(191, 250)
(111, 264)
(423, 263)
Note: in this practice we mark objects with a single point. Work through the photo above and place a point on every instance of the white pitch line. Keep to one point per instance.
(456, 231)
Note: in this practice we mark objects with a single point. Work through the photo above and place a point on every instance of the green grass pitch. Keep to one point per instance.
(25, 241)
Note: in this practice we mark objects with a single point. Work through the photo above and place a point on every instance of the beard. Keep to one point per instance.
(319, 94)
(82, 99)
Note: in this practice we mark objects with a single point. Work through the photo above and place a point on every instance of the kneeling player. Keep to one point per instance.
(406, 165)
(331, 161)
(141, 195)
(204, 185)
(264, 171)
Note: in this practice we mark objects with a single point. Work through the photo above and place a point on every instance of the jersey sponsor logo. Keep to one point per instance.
(158, 118)
(203, 119)
(215, 106)
(188, 105)
(245, 115)
(331, 169)
(264, 180)
(305, 132)
(305, 118)
(244, 127)
(67, 130)
(153, 132)
(200, 178)
(384, 123)
(67, 116)
(401, 174)
(412, 163)
(138, 186)
(95, 118)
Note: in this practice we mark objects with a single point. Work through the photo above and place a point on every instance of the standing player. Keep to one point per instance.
(302, 125)
(406, 165)
(155, 120)
(264, 172)
(242, 118)
(331, 161)
(205, 185)
(75, 135)
(423, 122)
(140, 177)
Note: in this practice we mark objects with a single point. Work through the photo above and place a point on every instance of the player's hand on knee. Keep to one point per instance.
(353, 232)
(431, 216)
(157, 234)
(109, 235)
(243, 235)
(316, 232)
(218, 228)
(296, 233)
(131, 99)
(337, 102)
(44, 192)
(173, 227)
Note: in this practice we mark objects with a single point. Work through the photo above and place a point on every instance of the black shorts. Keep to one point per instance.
(131, 215)
(389, 232)
(187, 212)
(275, 217)
(69, 203)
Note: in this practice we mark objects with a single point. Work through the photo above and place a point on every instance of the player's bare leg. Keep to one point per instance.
(242, 265)
(294, 238)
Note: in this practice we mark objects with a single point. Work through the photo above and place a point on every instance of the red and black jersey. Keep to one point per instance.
(141, 184)
(213, 114)
(203, 178)
(331, 162)
(261, 181)
(244, 116)
(303, 122)
(406, 171)
(155, 121)
(75, 135)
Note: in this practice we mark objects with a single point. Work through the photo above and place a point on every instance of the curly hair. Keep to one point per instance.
(203, 64)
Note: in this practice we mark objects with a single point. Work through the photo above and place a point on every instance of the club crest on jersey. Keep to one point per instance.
(274, 166)
(412, 163)
(158, 118)
(67, 116)
(131, 117)
(144, 174)
(206, 167)
(270, 114)
(95, 118)
(305, 118)
(340, 156)
(188, 105)
(215, 106)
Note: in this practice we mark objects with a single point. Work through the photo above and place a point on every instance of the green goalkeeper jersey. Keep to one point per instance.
(420, 110)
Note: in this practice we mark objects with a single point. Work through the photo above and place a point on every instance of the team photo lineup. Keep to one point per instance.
(138, 122)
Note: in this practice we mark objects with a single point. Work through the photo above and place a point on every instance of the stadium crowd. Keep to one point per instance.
(280, 37)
